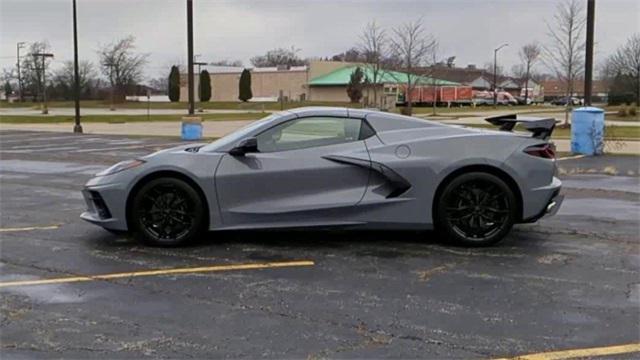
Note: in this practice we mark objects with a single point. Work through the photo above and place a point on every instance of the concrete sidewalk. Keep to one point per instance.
(216, 129)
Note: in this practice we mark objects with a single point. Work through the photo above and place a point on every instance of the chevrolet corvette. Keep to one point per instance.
(320, 167)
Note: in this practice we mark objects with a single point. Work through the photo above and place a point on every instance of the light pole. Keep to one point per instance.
(190, 54)
(588, 63)
(495, 73)
(45, 109)
(19, 46)
(77, 128)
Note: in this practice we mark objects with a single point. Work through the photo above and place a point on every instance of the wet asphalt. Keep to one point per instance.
(566, 282)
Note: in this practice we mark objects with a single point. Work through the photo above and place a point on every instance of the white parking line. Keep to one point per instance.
(27, 147)
(167, 145)
(571, 157)
(49, 149)
(74, 137)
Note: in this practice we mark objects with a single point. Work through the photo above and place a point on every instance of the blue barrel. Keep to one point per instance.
(587, 131)
(191, 130)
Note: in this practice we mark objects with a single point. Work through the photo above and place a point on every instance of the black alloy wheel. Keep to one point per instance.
(167, 212)
(476, 209)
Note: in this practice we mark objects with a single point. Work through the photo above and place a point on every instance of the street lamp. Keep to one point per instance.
(45, 109)
(495, 73)
(190, 53)
(77, 128)
(588, 63)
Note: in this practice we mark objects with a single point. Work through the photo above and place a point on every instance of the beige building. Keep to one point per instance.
(266, 83)
(319, 81)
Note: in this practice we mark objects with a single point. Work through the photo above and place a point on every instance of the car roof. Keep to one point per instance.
(379, 120)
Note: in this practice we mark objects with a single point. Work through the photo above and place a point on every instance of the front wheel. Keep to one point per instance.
(167, 212)
(476, 209)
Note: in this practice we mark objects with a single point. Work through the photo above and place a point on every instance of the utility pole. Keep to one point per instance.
(190, 54)
(77, 128)
(19, 46)
(45, 109)
(495, 74)
(588, 63)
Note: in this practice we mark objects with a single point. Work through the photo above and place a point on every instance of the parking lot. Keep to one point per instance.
(69, 289)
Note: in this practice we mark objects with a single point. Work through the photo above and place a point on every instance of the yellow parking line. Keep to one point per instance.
(175, 271)
(29, 228)
(581, 353)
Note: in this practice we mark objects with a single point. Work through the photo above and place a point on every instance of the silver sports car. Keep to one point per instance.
(336, 167)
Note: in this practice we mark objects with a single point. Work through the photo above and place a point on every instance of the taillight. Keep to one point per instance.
(547, 151)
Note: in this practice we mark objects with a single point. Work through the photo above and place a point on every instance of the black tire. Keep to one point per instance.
(476, 209)
(167, 212)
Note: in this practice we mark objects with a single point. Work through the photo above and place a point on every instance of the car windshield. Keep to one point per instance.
(236, 136)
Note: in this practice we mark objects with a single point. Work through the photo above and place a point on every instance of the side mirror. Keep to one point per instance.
(247, 145)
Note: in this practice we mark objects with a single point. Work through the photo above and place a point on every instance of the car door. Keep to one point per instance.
(292, 179)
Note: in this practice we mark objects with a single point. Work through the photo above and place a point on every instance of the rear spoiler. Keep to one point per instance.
(540, 127)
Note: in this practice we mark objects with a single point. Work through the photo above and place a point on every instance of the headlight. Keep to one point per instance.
(121, 166)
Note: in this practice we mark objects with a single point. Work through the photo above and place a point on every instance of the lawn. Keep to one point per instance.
(124, 118)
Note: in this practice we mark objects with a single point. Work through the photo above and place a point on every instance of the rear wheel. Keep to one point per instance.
(476, 209)
(167, 212)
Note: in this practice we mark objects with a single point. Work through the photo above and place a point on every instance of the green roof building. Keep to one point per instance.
(341, 77)
(332, 86)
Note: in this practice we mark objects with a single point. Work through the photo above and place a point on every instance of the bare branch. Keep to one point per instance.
(120, 64)
(413, 47)
(564, 56)
(373, 48)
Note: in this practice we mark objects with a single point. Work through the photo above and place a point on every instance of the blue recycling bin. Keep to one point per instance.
(191, 130)
(587, 131)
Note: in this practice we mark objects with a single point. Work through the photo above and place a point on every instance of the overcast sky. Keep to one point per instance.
(467, 29)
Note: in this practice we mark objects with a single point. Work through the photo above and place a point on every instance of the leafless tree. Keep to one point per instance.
(121, 65)
(63, 79)
(626, 62)
(518, 71)
(529, 55)
(226, 62)
(160, 84)
(351, 55)
(280, 56)
(565, 54)
(412, 46)
(499, 69)
(31, 68)
(373, 47)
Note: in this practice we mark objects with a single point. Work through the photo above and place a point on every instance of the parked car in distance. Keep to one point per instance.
(529, 101)
(564, 101)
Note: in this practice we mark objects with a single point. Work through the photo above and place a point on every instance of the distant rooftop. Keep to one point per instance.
(215, 69)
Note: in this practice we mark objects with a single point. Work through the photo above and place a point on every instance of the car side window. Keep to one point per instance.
(309, 132)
